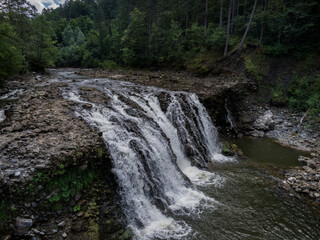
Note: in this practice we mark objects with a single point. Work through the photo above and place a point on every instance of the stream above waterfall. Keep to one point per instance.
(160, 142)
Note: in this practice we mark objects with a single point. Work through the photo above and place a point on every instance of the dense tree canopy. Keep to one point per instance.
(153, 33)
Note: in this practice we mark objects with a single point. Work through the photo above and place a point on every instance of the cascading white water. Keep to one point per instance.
(153, 136)
(229, 116)
(2, 115)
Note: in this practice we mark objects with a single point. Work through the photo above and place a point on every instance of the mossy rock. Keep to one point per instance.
(127, 235)
(229, 149)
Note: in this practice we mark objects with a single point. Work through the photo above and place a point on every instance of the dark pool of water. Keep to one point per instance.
(250, 204)
(262, 150)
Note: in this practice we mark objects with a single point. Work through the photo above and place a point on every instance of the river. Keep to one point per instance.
(161, 141)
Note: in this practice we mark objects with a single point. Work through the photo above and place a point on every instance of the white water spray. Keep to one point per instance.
(153, 136)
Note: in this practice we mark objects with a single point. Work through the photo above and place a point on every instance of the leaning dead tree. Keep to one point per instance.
(248, 26)
(228, 29)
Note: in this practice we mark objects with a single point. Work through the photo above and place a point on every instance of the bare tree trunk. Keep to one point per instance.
(249, 23)
(262, 21)
(238, 5)
(205, 19)
(129, 11)
(280, 25)
(197, 4)
(228, 29)
(232, 16)
(149, 35)
(233, 8)
(221, 13)
(187, 20)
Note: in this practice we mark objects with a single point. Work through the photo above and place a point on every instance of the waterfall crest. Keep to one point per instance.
(156, 139)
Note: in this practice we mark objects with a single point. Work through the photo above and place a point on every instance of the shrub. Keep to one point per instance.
(108, 64)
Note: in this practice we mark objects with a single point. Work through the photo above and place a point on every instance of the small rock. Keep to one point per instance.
(87, 106)
(36, 231)
(257, 133)
(77, 226)
(54, 231)
(61, 224)
(298, 190)
(9, 172)
(64, 235)
(40, 166)
(291, 179)
(23, 225)
(77, 197)
(27, 205)
(80, 214)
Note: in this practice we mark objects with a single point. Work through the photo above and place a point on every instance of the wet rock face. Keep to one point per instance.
(40, 128)
(264, 122)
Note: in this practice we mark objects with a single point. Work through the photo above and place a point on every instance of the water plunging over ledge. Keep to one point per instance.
(153, 136)
(156, 138)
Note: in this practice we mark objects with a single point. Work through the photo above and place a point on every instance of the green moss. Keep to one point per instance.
(61, 186)
(100, 152)
(279, 97)
(257, 65)
(127, 235)
(229, 149)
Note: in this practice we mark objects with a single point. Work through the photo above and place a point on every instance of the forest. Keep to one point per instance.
(160, 34)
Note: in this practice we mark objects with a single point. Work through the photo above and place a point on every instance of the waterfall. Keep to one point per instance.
(2, 115)
(159, 141)
(229, 116)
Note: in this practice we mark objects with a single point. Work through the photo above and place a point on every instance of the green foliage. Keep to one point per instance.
(194, 38)
(277, 50)
(108, 64)
(76, 208)
(257, 65)
(135, 40)
(127, 235)
(149, 33)
(216, 38)
(299, 93)
(304, 95)
(65, 184)
(279, 96)
(200, 65)
(42, 52)
(11, 59)
(72, 47)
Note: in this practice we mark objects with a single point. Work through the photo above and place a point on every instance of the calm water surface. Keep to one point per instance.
(250, 205)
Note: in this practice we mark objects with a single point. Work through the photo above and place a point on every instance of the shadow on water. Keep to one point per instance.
(262, 150)
(251, 206)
